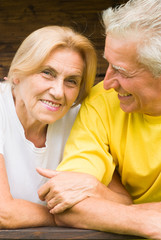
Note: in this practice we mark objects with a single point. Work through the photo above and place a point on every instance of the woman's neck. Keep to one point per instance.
(37, 136)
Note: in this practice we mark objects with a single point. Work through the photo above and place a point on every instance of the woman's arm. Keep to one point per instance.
(18, 213)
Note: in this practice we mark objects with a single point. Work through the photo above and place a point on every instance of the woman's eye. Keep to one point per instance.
(72, 82)
(48, 74)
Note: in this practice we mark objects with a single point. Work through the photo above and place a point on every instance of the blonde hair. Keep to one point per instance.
(36, 48)
(142, 19)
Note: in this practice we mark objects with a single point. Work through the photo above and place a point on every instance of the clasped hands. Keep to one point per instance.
(65, 189)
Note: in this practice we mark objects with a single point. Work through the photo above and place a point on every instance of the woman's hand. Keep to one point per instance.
(65, 189)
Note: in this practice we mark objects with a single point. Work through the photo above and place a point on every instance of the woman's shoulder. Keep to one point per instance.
(73, 111)
(5, 87)
(70, 116)
(67, 120)
(4, 93)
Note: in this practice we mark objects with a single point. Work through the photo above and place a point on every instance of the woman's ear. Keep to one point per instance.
(16, 81)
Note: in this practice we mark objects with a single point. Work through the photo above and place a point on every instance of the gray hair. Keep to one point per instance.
(142, 20)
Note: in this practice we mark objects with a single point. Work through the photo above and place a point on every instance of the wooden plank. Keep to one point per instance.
(59, 233)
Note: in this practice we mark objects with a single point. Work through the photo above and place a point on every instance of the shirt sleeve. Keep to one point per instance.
(87, 149)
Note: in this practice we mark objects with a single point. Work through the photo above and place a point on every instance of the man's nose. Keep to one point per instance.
(57, 89)
(110, 79)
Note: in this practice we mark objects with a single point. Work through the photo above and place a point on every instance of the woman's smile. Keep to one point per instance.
(51, 106)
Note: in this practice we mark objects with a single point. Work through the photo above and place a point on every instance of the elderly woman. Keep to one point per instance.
(52, 72)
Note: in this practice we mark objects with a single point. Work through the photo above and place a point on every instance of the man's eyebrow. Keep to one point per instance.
(128, 73)
(116, 67)
(119, 68)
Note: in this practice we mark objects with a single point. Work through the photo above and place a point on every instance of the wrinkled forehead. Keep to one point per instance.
(122, 53)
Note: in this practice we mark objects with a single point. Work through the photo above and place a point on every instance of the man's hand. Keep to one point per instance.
(65, 189)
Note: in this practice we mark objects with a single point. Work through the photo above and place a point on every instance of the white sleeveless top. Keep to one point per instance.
(21, 156)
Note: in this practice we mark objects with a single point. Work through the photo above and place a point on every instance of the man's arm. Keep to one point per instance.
(109, 216)
(18, 213)
(109, 211)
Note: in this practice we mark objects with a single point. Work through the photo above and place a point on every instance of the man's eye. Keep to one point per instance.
(125, 75)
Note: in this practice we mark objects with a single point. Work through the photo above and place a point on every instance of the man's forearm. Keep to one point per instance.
(109, 216)
(149, 206)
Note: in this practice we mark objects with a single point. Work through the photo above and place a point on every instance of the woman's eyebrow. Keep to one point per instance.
(50, 68)
(75, 76)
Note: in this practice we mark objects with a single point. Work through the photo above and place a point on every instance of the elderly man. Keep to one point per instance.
(119, 128)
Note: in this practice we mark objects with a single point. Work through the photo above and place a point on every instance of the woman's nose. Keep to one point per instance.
(110, 79)
(57, 90)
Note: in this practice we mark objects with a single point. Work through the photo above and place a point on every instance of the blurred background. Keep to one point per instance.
(18, 18)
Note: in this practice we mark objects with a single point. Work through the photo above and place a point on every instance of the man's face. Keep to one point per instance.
(138, 90)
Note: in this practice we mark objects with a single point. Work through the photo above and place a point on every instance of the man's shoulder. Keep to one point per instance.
(99, 94)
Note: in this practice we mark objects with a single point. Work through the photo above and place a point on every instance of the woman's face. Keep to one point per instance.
(48, 95)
